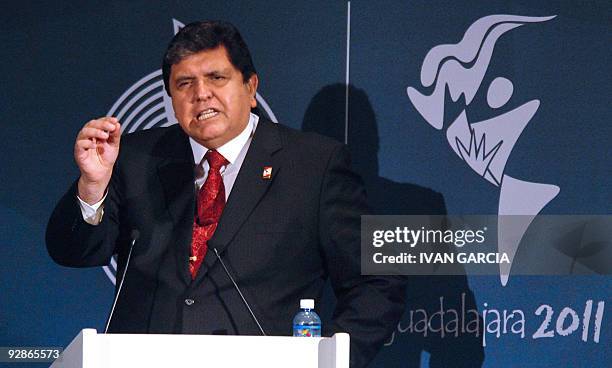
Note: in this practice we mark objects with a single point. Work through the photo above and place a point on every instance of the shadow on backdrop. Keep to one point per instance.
(325, 115)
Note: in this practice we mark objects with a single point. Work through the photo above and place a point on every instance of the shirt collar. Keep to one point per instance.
(231, 149)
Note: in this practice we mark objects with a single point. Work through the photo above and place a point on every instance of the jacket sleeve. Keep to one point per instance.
(73, 242)
(368, 307)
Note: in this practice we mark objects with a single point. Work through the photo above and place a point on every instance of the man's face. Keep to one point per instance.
(210, 99)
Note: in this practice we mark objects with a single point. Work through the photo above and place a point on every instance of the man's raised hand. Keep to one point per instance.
(95, 152)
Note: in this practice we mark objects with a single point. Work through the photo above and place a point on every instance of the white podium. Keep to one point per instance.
(90, 349)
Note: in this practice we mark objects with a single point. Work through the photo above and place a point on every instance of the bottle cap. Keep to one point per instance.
(307, 304)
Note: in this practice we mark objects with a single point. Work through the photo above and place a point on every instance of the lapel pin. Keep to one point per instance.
(267, 173)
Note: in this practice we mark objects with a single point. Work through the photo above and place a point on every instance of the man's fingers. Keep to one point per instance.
(109, 124)
(89, 132)
(85, 144)
(96, 148)
(116, 132)
(107, 129)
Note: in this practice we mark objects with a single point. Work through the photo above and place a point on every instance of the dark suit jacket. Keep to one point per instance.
(280, 238)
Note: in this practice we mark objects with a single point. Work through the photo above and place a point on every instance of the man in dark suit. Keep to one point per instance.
(282, 209)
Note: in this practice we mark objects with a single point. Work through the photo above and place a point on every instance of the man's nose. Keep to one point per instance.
(202, 91)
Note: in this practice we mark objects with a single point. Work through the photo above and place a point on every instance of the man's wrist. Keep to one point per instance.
(91, 192)
(92, 214)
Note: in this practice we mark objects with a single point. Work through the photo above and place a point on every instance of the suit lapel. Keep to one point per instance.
(249, 187)
(176, 174)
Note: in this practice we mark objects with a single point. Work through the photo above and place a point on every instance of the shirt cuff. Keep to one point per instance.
(92, 213)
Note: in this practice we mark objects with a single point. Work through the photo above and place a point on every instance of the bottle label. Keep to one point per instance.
(307, 331)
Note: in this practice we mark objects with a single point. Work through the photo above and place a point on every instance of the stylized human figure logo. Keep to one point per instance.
(485, 145)
(146, 105)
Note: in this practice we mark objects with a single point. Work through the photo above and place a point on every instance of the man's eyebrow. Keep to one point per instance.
(182, 78)
(189, 77)
(218, 71)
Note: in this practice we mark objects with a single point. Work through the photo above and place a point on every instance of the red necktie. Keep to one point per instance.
(210, 203)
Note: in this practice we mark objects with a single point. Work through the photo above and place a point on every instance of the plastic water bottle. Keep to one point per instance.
(307, 323)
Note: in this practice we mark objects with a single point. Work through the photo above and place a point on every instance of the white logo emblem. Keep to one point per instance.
(484, 146)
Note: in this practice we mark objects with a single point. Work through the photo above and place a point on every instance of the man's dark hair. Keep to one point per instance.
(208, 35)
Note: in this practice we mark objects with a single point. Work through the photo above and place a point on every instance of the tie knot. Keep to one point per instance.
(215, 160)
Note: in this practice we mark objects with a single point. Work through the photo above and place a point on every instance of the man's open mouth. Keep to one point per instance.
(207, 114)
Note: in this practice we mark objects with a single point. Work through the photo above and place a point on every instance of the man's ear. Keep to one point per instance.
(252, 84)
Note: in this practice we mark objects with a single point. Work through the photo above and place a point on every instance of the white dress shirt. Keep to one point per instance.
(234, 151)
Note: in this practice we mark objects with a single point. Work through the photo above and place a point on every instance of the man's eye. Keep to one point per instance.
(217, 77)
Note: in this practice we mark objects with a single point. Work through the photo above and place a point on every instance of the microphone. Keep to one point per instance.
(134, 235)
(239, 292)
